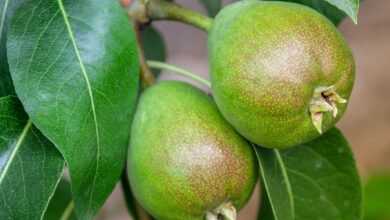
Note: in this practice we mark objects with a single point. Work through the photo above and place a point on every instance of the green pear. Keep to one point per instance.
(185, 161)
(281, 73)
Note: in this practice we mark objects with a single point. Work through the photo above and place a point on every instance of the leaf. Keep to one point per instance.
(153, 45)
(30, 166)
(265, 207)
(317, 180)
(350, 7)
(212, 6)
(61, 205)
(7, 9)
(335, 10)
(75, 68)
(377, 197)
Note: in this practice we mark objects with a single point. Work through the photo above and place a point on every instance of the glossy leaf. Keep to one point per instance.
(30, 166)
(61, 205)
(315, 181)
(350, 7)
(7, 9)
(265, 212)
(75, 68)
(377, 197)
(335, 10)
(212, 6)
(153, 45)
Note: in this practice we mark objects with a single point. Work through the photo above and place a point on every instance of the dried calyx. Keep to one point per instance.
(226, 211)
(325, 99)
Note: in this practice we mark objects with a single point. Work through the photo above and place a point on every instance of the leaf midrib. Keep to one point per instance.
(90, 93)
(18, 144)
(266, 186)
(68, 211)
(287, 183)
(4, 15)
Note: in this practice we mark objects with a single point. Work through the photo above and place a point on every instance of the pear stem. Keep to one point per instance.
(146, 10)
(183, 72)
(147, 77)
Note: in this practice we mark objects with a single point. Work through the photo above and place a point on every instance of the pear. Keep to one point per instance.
(185, 161)
(281, 73)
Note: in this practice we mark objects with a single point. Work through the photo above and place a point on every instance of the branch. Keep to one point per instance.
(144, 11)
(147, 77)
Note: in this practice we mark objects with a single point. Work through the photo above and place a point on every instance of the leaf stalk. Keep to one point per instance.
(180, 71)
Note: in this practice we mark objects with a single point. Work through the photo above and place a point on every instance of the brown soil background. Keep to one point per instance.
(367, 121)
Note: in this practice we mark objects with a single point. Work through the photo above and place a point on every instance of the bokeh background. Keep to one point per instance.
(367, 121)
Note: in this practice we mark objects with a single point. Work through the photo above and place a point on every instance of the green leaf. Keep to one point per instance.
(315, 181)
(7, 9)
(61, 205)
(212, 6)
(74, 65)
(153, 45)
(377, 197)
(30, 166)
(335, 10)
(265, 207)
(350, 7)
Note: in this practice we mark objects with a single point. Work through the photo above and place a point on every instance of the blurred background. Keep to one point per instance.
(367, 121)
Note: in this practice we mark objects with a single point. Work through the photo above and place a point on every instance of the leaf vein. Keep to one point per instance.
(266, 185)
(18, 144)
(317, 185)
(3, 17)
(288, 184)
(89, 87)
